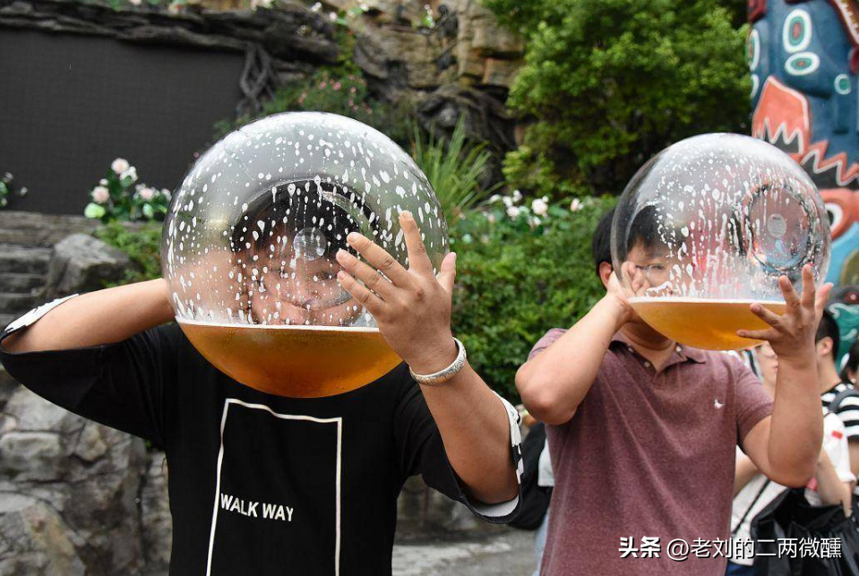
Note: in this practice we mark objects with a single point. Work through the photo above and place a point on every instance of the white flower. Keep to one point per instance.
(100, 195)
(535, 221)
(131, 172)
(119, 165)
(363, 6)
(166, 193)
(517, 195)
(507, 201)
(575, 205)
(146, 194)
(332, 16)
(135, 2)
(494, 198)
(491, 218)
(102, 182)
(316, 7)
(513, 212)
(540, 207)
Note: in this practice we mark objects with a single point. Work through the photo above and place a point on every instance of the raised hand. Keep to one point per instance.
(791, 335)
(411, 307)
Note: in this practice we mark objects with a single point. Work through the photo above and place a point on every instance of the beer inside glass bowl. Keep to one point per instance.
(250, 241)
(705, 229)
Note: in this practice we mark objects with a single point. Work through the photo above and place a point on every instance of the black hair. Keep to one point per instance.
(644, 230)
(852, 363)
(295, 206)
(828, 328)
(601, 243)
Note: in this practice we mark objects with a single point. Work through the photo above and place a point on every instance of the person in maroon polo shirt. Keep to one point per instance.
(643, 431)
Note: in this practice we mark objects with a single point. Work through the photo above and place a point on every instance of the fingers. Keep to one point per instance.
(372, 279)
(822, 298)
(766, 315)
(419, 261)
(767, 335)
(808, 299)
(447, 274)
(790, 296)
(380, 259)
(360, 293)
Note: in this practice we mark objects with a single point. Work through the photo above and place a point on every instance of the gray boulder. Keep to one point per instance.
(81, 263)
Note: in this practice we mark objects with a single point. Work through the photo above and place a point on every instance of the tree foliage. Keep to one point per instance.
(609, 83)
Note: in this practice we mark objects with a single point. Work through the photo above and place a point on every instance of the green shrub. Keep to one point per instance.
(142, 243)
(611, 82)
(519, 276)
(453, 168)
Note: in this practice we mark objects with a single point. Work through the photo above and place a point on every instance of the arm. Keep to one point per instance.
(786, 445)
(554, 383)
(744, 472)
(102, 317)
(412, 309)
(831, 488)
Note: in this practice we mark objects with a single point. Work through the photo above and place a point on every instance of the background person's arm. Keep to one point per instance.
(832, 489)
(744, 473)
(102, 317)
(412, 309)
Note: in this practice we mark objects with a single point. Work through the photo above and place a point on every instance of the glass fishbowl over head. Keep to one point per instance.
(249, 247)
(706, 228)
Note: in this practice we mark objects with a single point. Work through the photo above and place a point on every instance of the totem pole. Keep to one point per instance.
(804, 58)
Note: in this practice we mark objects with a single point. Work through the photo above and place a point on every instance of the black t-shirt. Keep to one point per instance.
(259, 484)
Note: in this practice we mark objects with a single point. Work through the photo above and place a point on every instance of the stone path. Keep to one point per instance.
(510, 553)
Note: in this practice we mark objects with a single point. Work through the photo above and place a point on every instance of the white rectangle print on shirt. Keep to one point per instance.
(276, 497)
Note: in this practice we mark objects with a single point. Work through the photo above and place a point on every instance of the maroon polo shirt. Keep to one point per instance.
(649, 454)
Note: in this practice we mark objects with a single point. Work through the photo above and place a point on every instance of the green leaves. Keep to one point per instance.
(516, 280)
(453, 168)
(95, 211)
(119, 196)
(612, 82)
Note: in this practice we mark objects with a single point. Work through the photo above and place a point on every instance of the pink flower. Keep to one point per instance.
(146, 193)
(322, 85)
(119, 165)
(336, 86)
(100, 195)
(353, 89)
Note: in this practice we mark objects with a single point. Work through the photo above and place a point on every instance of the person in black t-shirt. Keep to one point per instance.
(262, 484)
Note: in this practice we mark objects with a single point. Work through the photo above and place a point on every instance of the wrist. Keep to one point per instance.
(799, 362)
(435, 357)
(611, 307)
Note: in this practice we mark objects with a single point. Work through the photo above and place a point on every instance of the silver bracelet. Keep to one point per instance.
(443, 375)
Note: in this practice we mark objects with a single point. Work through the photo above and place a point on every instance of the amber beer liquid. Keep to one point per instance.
(294, 361)
(704, 323)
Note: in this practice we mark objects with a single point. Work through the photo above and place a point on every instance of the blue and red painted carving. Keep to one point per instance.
(804, 56)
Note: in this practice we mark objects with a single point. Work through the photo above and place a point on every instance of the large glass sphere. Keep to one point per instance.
(249, 247)
(707, 227)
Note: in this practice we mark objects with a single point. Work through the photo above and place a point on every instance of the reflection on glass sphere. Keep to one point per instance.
(249, 247)
(707, 227)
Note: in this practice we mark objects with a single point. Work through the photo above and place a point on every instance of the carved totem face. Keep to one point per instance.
(803, 58)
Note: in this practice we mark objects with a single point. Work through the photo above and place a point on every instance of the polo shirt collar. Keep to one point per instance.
(681, 353)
